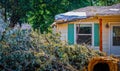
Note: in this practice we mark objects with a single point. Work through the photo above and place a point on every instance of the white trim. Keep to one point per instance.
(112, 33)
(67, 33)
(93, 34)
(91, 23)
(111, 24)
(109, 37)
(74, 33)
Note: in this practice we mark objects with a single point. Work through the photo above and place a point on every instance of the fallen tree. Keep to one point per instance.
(22, 50)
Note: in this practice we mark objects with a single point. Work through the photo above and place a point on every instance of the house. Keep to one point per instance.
(96, 26)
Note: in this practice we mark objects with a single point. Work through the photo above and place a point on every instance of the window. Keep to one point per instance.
(116, 35)
(84, 34)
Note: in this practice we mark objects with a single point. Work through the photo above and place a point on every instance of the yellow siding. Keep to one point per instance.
(106, 31)
(62, 29)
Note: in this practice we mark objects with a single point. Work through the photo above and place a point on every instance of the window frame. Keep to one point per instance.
(113, 45)
(92, 32)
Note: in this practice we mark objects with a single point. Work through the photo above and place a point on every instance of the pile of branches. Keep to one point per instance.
(22, 50)
(26, 50)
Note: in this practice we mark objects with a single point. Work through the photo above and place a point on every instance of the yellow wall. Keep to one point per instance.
(62, 29)
(106, 31)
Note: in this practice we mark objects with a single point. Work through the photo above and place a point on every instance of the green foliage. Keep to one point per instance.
(15, 10)
(104, 2)
(22, 50)
(40, 13)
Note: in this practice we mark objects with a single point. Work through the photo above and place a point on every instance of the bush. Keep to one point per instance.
(21, 50)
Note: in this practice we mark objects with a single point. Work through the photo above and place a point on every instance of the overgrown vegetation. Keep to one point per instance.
(40, 13)
(22, 50)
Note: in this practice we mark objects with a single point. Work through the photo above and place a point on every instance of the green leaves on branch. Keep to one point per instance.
(40, 13)
(21, 50)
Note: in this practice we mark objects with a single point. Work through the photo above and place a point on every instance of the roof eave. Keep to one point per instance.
(96, 16)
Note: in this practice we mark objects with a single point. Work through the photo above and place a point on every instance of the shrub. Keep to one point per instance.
(21, 50)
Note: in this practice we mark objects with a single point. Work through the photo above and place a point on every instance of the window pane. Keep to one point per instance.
(84, 29)
(116, 36)
(84, 39)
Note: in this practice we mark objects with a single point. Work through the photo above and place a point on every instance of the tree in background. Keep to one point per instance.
(40, 13)
(15, 10)
(103, 2)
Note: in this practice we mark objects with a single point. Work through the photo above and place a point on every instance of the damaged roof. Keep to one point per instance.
(89, 11)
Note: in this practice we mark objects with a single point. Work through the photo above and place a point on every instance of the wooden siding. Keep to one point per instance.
(62, 29)
(106, 34)
(106, 31)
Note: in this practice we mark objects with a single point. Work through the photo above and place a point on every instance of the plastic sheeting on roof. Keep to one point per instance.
(71, 16)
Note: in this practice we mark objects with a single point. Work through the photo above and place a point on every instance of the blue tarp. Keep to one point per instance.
(69, 16)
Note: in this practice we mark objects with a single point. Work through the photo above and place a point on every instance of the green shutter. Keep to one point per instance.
(70, 34)
(96, 34)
